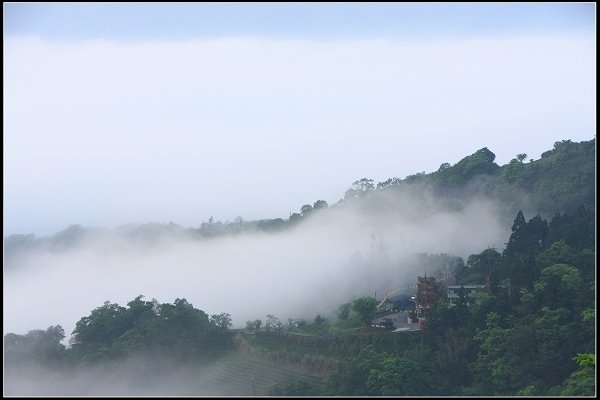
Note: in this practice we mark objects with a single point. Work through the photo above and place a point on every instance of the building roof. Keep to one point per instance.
(477, 286)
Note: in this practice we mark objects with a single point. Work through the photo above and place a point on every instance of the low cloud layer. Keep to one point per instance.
(334, 256)
(102, 133)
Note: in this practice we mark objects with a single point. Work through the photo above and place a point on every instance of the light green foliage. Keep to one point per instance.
(552, 331)
(392, 376)
(586, 360)
(558, 253)
(365, 307)
(559, 285)
(528, 391)
(588, 315)
(513, 171)
(505, 358)
(581, 382)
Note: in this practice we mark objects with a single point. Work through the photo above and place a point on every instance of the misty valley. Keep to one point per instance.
(477, 279)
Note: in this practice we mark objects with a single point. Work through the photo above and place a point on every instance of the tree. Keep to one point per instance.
(273, 323)
(103, 325)
(581, 382)
(257, 324)
(319, 204)
(344, 311)
(363, 185)
(294, 218)
(519, 222)
(366, 308)
(520, 157)
(559, 285)
(36, 346)
(444, 166)
(222, 321)
(513, 171)
(306, 210)
(350, 194)
(398, 377)
(271, 224)
(526, 242)
(505, 356)
(389, 182)
(554, 344)
(558, 253)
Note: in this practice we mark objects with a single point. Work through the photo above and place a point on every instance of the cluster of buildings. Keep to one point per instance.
(405, 313)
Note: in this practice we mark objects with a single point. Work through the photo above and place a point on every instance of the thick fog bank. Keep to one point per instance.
(332, 256)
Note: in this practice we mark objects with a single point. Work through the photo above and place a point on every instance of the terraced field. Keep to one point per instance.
(233, 373)
(226, 373)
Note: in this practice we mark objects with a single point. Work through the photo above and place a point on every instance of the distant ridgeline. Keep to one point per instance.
(562, 180)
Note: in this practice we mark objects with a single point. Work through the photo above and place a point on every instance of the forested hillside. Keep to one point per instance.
(531, 332)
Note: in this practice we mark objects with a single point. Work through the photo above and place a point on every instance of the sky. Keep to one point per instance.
(136, 113)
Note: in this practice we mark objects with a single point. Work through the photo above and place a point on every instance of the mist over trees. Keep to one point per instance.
(530, 333)
(560, 181)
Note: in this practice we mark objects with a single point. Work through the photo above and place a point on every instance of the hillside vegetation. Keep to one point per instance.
(530, 333)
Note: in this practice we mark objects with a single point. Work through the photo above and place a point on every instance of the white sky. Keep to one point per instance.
(103, 132)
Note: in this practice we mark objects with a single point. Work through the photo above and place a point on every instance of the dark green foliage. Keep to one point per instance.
(179, 329)
(481, 162)
(526, 242)
(559, 285)
(480, 267)
(576, 229)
